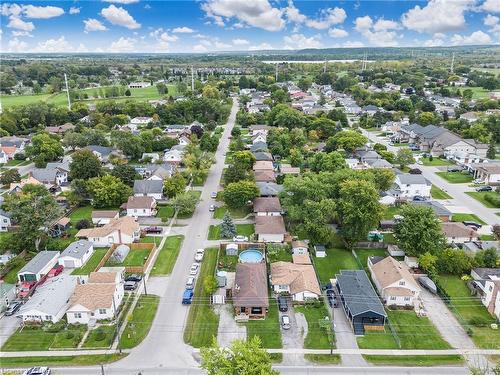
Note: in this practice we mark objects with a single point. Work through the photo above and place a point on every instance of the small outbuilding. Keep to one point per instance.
(76, 254)
(38, 267)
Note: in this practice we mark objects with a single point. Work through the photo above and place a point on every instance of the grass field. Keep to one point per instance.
(241, 229)
(436, 162)
(36, 339)
(202, 322)
(236, 213)
(165, 213)
(98, 340)
(470, 311)
(479, 196)
(477, 92)
(335, 260)
(415, 360)
(91, 264)
(317, 336)
(438, 193)
(84, 212)
(139, 323)
(81, 360)
(455, 177)
(11, 276)
(167, 256)
(136, 258)
(363, 254)
(390, 211)
(268, 329)
(467, 217)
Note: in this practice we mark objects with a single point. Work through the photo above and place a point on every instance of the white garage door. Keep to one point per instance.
(69, 263)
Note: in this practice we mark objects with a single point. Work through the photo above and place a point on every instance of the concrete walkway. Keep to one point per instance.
(228, 330)
(346, 340)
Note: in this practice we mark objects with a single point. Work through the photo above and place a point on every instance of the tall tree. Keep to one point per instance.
(237, 194)
(174, 185)
(84, 165)
(348, 140)
(107, 191)
(227, 227)
(492, 150)
(126, 173)
(44, 149)
(404, 157)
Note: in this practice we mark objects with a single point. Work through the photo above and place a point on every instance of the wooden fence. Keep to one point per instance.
(133, 246)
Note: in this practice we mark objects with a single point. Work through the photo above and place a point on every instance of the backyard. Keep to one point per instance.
(363, 254)
(241, 230)
(455, 177)
(167, 256)
(335, 260)
(92, 263)
(139, 322)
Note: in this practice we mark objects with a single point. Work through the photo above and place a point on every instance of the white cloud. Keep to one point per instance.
(300, 41)
(200, 48)
(260, 47)
(163, 38)
(353, 44)
(22, 34)
(240, 42)
(74, 10)
(11, 9)
(293, 14)
(434, 42)
(119, 16)
(490, 20)
(491, 6)
(477, 37)
(377, 34)
(81, 48)
(123, 45)
(327, 18)
(437, 16)
(383, 24)
(363, 23)
(16, 45)
(121, 1)
(256, 13)
(92, 24)
(54, 45)
(222, 45)
(17, 23)
(183, 30)
(337, 33)
(43, 12)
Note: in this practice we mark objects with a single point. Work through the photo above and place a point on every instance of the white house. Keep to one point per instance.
(140, 121)
(458, 233)
(38, 267)
(124, 230)
(487, 283)
(465, 146)
(97, 299)
(489, 173)
(184, 141)
(148, 188)
(76, 254)
(411, 185)
(140, 206)
(4, 158)
(154, 156)
(139, 85)
(469, 117)
(267, 206)
(298, 280)
(393, 281)
(50, 302)
(259, 137)
(172, 157)
(103, 217)
(270, 228)
(5, 221)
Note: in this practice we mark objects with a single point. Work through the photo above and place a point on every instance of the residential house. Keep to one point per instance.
(475, 246)
(263, 166)
(469, 117)
(394, 282)
(38, 267)
(267, 206)
(124, 230)
(16, 142)
(287, 169)
(103, 153)
(103, 217)
(441, 211)
(262, 156)
(259, 137)
(250, 296)
(270, 228)
(4, 157)
(298, 280)
(464, 149)
(97, 299)
(16, 187)
(51, 176)
(5, 221)
(370, 109)
(61, 129)
(458, 233)
(148, 188)
(264, 176)
(139, 85)
(76, 254)
(141, 121)
(172, 156)
(152, 156)
(360, 301)
(140, 206)
(158, 172)
(411, 185)
(489, 173)
(258, 147)
(51, 300)
(259, 129)
(487, 283)
(269, 189)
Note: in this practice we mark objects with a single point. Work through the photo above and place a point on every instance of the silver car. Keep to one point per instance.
(285, 322)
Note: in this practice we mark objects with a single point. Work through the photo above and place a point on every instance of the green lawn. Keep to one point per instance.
(436, 162)
(11, 276)
(95, 339)
(467, 217)
(80, 213)
(69, 338)
(92, 263)
(136, 258)
(363, 254)
(390, 211)
(470, 312)
(413, 332)
(241, 229)
(167, 256)
(335, 260)
(267, 329)
(165, 213)
(317, 335)
(415, 360)
(323, 359)
(236, 213)
(438, 193)
(81, 360)
(477, 92)
(479, 196)
(202, 322)
(139, 323)
(36, 339)
(456, 177)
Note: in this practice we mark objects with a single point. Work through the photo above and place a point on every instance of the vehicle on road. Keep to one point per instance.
(472, 224)
(453, 169)
(240, 239)
(211, 208)
(199, 255)
(484, 188)
(55, 271)
(187, 297)
(194, 269)
(153, 230)
(130, 285)
(213, 195)
(14, 306)
(38, 371)
(190, 283)
(415, 171)
(285, 322)
(413, 147)
(282, 304)
(418, 198)
(478, 181)
(134, 277)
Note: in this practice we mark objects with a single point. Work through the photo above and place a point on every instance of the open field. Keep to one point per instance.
(167, 256)
(139, 322)
(477, 92)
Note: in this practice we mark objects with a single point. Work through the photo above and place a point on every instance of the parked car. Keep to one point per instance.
(26, 289)
(415, 171)
(134, 277)
(420, 162)
(282, 304)
(199, 255)
(285, 322)
(154, 230)
(130, 285)
(418, 198)
(478, 181)
(194, 269)
(332, 298)
(211, 208)
(484, 188)
(38, 371)
(453, 169)
(187, 297)
(14, 306)
(213, 195)
(190, 283)
(55, 271)
(240, 239)
(472, 224)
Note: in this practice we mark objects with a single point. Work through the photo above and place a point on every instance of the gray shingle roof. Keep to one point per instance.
(358, 292)
(410, 179)
(148, 187)
(269, 188)
(437, 207)
(44, 174)
(40, 260)
(77, 249)
(104, 151)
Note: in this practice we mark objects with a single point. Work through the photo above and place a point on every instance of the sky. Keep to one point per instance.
(204, 26)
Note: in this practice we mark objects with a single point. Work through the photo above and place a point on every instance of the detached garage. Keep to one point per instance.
(76, 254)
(38, 267)
(270, 228)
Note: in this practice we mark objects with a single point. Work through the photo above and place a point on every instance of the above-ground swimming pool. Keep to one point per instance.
(251, 256)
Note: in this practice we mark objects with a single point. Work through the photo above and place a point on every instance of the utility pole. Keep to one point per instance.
(452, 62)
(192, 79)
(102, 369)
(67, 91)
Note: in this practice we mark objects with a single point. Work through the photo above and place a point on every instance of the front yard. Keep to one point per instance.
(236, 213)
(438, 193)
(139, 322)
(480, 196)
(335, 260)
(318, 336)
(456, 177)
(167, 256)
(38, 339)
(415, 360)
(241, 230)
(268, 329)
(436, 162)
(467, 217)
(100, 337)
(92, 263)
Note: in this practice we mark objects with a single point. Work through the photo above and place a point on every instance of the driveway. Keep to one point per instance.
(345, 339)
(8, 325)
(293, 338)
(228, 330)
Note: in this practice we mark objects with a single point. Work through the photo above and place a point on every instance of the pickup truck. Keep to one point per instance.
(187, 297)
(155, 230)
